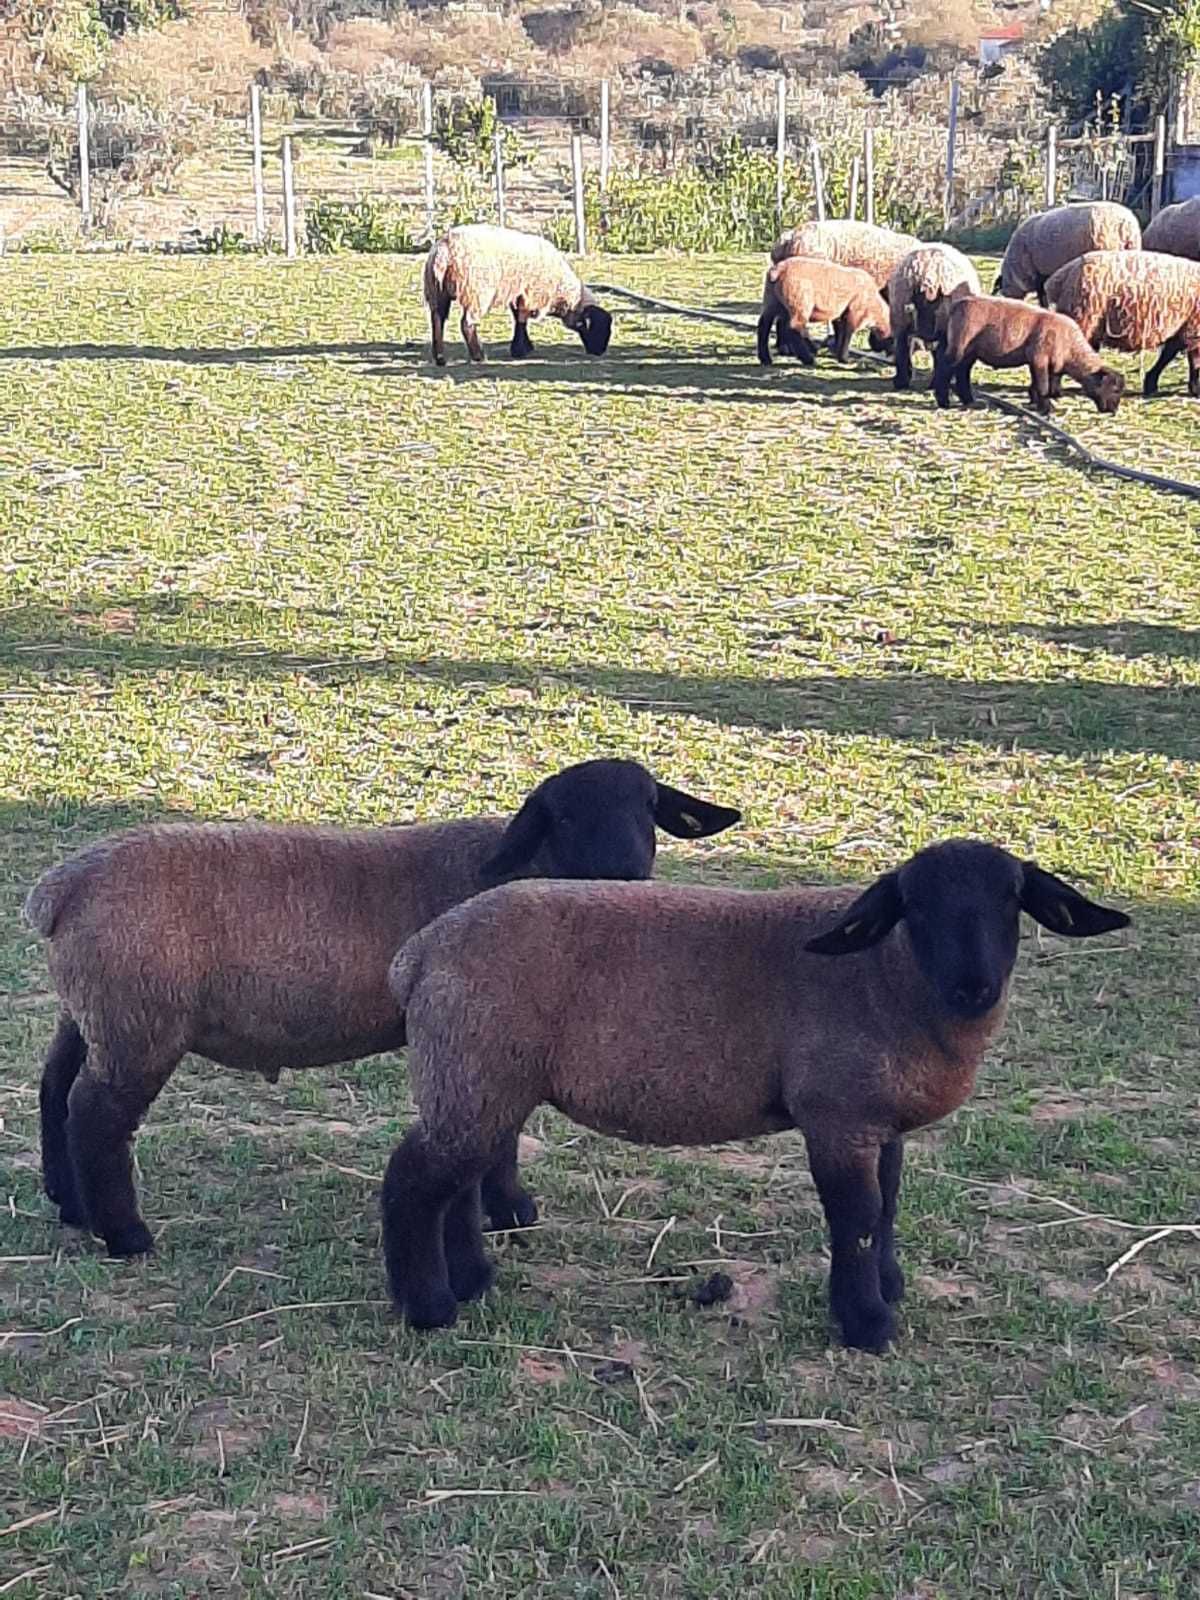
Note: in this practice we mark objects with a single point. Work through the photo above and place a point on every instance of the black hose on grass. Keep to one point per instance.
(1155, 480)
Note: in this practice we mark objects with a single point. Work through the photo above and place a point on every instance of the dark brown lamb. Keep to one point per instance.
(268, 947)
(1009, 333)
(669, 1015)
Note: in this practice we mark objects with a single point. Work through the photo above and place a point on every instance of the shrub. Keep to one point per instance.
(466, 129)
(205, 61)
(367, 224)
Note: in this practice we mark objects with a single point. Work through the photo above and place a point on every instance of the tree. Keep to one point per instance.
(1137, 52)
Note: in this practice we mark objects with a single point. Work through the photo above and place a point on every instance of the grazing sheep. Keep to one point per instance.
(1044, 242)
(803, 289)
(873, 250)
(671, 1015)
(921, 290)
(268, 947)
(1007, 333)
(1175, 231)
(482, 266)
(1135, 300)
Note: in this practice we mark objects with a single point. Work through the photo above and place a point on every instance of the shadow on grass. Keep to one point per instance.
(1064, 716)
(1129, 639)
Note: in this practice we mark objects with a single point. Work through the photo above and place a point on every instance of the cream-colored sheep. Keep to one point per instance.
(920, 293)
(1175, 231)
(851, 244)
(482, 267)
(1135, 300)
(1047, 241)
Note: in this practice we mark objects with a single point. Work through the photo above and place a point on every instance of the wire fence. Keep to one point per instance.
(99, 170)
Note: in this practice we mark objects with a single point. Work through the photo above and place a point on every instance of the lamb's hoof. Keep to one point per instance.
(70, 1213)
(135, 1240)
(437, 1308)
(520, 1211)
(471, 1280)
(870, 1328)
(891, 1282)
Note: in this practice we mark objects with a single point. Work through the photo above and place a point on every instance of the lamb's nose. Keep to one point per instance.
(975, 996)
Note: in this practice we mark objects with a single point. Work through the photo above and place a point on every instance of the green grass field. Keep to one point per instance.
(259, 559)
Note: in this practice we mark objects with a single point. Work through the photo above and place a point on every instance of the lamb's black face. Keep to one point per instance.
(595, 329)
(962, 908)
(1109, 390)
(598, 820)
(961, 904)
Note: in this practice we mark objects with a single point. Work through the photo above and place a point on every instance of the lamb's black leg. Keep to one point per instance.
(1193, 356)
(522, 344)
(419, 1186)
(437, 325)
(467, 1263)
(943, 371)
(1039, 387)
(904, 369)
(847, 1179)
(962, 382)
(507, 1202)
(842, 334)
(1041, 294)
(891, 1278)
(103, 1110)
(65, 1057)
(764, 337)
(1166, 355)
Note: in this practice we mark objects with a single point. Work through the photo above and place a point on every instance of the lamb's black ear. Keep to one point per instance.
(520, 841)
(688, 818)
(1062, 909)
(873, 915)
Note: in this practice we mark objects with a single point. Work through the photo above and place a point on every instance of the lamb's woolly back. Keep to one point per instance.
(482, 266)
(852, 244)
(1175, 231)
(1130, 300)
(1049, 239)
(931, 272)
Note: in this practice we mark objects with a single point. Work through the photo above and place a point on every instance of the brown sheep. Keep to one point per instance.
(267, 947)
(1008, 333)
(1135, 300)
(803, 289)
(1048, 240)
(670, 1015)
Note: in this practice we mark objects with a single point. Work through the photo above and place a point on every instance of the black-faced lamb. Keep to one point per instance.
(670, 1015)
(920, 293)
(268, 947)
(1048, 240)
(1135, 300)
(1008, 333)
(803, 289)
(482, 266)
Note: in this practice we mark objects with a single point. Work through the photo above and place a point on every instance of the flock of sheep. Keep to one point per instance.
(521, 973)
(1098, 282)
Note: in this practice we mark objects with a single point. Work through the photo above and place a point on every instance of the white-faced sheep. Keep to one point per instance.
(1135, 300)
(482, 266)
(1044, 242)
(671, 1015)
(1007, 333)
(921, 291)
(871, 249)
(268, 947)
(1175, 231)
(803, 289)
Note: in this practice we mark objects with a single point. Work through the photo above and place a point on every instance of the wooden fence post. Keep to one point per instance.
(818, 179)
(951, 137)
(260, 202)
(1160, 164)
(1051, 165)
(85, 161)
(780, 144)
(605, 148)
(427, 109)
(498, 162)
(868, 173)
(289, 202)
(855, 175)
(429, 194)
(577, 187)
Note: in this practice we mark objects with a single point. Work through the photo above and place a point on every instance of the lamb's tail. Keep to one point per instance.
(54, 891)
(437, 264)
(406, 969)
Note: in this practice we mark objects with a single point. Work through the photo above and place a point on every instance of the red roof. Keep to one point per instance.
(1015, 30)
